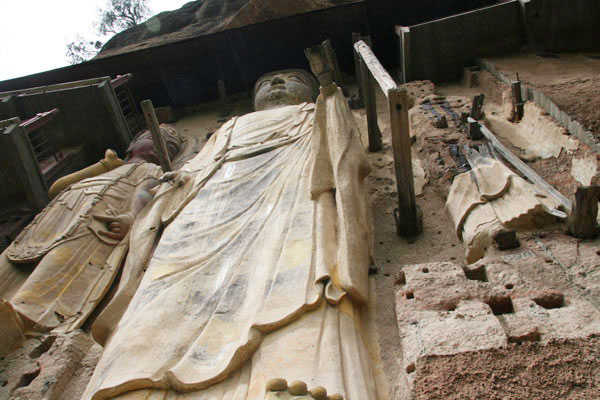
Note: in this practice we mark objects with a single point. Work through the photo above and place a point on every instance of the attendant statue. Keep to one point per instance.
(252, 263)
(77, 244)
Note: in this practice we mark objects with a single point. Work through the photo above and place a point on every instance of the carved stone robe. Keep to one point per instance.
(260, 270)
(76, 265)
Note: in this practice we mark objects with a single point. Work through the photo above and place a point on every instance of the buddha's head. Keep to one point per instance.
(142, 146)
(282, 88)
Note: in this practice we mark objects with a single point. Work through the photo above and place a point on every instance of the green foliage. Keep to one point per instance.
(116, 16)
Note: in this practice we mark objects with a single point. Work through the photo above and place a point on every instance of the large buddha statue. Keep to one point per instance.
(252, 263)
(78, 243)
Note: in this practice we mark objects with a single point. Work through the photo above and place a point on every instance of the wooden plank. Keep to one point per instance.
(332, 58)
(56, 87)
(159, 141)
(518, 100)
(361, 95)
(23, 158)
(409, 220)
(403, 33)
(223, 98)
(524, 168)
(379, 73)
(107, 94)
(370, 108)
(582, 221)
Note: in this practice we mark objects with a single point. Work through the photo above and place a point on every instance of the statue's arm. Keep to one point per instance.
(118, 226)
(109, 162)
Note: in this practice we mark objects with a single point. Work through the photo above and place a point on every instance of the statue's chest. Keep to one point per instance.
(270, 125)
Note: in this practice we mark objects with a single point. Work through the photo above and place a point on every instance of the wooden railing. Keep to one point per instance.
(409, 218)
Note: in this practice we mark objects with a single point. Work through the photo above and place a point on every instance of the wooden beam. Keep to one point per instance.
(409, 221)
(109, 98)
(332, 59)
(223, 99)
(379, 73)
(403, 33)
(523, 168)
(361, 95)
(56, 87)
(159, 141)
(370, 108)
(26, 165)
(518, 100)
(120, 80)
(477, 107)
(582, 221)
(39, 120)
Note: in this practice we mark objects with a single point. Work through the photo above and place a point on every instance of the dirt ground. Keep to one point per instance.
(572, 81)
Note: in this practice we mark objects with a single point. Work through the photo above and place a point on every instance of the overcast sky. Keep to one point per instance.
(34, 33)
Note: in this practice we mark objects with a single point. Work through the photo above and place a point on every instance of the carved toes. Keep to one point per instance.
(277, 385)
(319, 393)
(280, 389)
(298, 388)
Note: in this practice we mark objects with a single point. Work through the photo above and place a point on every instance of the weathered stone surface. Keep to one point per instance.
(445, 310)
(203, 17)
(51, 367)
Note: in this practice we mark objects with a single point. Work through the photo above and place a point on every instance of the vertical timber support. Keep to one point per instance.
(109, 98)
(518, 100)
(357, 70)
(23, 158)
(403, 33)
(332, 59)
(582, 220)
(223, 99)
(409, 217)
(159, 141)
(370, 108)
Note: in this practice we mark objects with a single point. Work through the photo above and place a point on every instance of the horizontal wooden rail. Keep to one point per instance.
(56, 87)
(382, 77)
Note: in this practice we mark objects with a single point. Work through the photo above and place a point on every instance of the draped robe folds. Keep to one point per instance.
(76, 265)
(269, 231)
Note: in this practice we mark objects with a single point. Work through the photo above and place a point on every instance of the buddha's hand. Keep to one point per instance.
(319, 64)
(178, 178)
(117, 226)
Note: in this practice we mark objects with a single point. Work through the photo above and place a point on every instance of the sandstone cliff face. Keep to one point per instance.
(203, 17)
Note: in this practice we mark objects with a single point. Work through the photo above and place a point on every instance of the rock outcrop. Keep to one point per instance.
(203, 17)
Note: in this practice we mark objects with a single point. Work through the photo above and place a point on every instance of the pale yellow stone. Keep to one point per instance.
(253, 266)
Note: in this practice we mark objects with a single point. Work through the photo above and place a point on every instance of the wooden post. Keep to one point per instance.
(475, 131)
(109, 98)
(370, 108)
(518, 100)
(223, 99)
(159, 141)
(28, 170)
(409, 221)
(582, 221)
(332, 59)
(403, 33)
(477, 107)
(357, 71)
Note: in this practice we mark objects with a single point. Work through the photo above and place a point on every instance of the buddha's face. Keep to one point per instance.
(282, 88)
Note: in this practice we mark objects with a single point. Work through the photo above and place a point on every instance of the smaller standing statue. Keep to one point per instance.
(78, 242)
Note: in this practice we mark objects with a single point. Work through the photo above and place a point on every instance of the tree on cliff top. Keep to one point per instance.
(116, 16)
